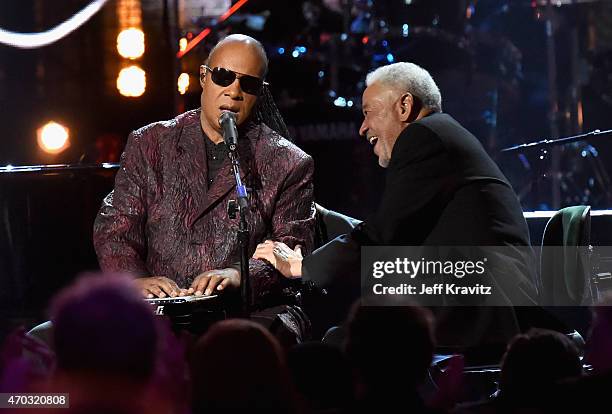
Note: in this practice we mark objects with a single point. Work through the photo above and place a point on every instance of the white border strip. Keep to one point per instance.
(35, 40)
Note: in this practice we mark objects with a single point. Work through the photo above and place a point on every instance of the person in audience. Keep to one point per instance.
(237, 367)
(590, 393)
(106, 341)
(533, 364)
(390, 350)
(322, 376)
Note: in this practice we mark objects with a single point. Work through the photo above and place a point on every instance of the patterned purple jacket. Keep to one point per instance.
(162, 220)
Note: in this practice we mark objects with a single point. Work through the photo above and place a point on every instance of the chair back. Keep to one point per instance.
(565, 270)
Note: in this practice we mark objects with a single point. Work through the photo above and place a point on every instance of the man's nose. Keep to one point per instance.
(234, 91)
(363, 129)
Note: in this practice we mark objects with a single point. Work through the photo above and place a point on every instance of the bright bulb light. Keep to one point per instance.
(183, 83)
(182, 44)
(131, 43)
(53, 137)
(131, 81)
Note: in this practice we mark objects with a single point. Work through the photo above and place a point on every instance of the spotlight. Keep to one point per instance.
(131, 81)
(53, 137)
(340, 101)
(131, 43)
(182, 44)
(183, 83)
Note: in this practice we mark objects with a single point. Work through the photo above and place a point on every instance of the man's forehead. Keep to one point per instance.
(238, 51)
(375, 93)
(378, 92)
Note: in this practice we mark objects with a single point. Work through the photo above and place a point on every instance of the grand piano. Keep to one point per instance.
(46, 224)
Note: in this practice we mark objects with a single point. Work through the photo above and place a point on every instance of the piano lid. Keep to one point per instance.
(56, 167)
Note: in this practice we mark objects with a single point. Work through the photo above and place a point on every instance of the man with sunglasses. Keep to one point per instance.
(166, 221)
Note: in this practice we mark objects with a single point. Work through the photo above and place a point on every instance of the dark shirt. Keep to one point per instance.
(215, 156)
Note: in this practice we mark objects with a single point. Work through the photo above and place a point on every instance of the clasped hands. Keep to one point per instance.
(284, 259)
(215, 280)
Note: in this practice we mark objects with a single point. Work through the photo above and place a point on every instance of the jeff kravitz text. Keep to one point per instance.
(429, 271)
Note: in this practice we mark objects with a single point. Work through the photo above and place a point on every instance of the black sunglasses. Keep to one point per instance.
(225, 77)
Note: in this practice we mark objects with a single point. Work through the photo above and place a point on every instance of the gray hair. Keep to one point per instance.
(408, 77)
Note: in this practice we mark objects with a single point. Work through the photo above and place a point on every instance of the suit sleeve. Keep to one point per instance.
(419, 181)
(292, 223)
(118, 236)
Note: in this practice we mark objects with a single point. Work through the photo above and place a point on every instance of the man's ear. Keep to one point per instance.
(406, 104)
(411, 107)
(202, 75)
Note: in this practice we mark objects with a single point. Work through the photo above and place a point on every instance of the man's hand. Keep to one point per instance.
(217, 279)
(287, 261)
(159, 287)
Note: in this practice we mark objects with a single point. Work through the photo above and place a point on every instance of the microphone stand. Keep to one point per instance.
(243, 232)
(560, 141)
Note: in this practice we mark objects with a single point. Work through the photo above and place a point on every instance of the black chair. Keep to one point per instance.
(331, 224)
(324, 310)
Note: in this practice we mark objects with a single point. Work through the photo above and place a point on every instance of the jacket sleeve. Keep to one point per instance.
(292, 223)
(118, 236)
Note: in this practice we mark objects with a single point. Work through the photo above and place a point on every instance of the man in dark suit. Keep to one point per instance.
(442, 189)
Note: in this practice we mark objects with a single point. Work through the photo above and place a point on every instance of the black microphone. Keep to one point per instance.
(227, 121)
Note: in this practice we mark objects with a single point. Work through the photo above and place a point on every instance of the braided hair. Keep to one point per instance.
(267, 112)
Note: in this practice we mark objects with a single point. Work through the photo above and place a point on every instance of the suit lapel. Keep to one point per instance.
(192, 164)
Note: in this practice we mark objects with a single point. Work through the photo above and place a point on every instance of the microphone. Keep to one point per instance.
(227, 122)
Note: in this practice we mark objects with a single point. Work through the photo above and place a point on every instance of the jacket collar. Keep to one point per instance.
(192, 164)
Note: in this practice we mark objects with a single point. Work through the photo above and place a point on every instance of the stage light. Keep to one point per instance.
(53, 137)
(182, 44)
(131, 43)
(340, 101)
(469, 11)
(131, 81)
(295, 54)
(390, 58)
(281, 50)
(183, 83)
(405, 30)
